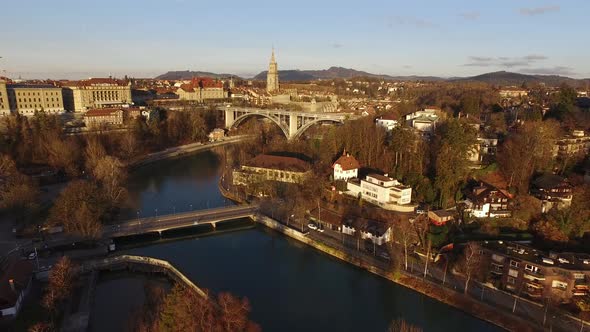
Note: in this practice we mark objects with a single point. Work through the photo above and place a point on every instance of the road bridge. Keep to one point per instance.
(292, 124)
(163, 223)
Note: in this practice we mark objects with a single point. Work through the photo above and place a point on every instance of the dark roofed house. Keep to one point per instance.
(553, 191)
(15, 281)
(487, 201)
(267, 167)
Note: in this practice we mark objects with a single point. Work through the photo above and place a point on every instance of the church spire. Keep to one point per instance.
(272, 77)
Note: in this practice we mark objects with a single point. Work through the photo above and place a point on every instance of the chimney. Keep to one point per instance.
(11, 282)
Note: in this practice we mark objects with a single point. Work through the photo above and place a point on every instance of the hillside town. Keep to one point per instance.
(475, 194)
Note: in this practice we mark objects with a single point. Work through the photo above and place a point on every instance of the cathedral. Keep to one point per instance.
(272, 77)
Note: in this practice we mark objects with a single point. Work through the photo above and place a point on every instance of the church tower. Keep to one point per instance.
(272, 77)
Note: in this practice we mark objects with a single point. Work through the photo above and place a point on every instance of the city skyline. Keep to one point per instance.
(458, 38)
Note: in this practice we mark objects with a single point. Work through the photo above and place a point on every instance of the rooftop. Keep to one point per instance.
(347, 162)
(102, 111)
(279, 163)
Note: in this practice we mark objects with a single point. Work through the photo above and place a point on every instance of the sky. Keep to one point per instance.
(145, 38)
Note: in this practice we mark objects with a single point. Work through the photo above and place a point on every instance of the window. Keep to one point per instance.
(559, 284)
(531, 268)
(513, 263)
(513, 273)
(511, 280)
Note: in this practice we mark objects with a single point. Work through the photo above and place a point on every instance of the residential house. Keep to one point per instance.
(441, 217)
(216, 134)
(378, 232)
(425, 120)
(388, 121)
(553, 191)
(487, 201)
(382, 191)
(346, 167)
(575, 145)
(15, 283)
(267, 167)
(536, 274)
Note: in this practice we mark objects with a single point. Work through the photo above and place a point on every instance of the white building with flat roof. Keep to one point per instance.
(383, 191)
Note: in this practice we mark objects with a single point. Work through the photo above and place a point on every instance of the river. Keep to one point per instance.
(291, 287)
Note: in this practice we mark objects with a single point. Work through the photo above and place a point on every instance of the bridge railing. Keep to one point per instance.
(100, 264)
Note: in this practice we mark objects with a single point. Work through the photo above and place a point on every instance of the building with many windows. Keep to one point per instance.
(536, 274)
(266, 167)
(27, 99)
(577, 144)
(382, 191)
(103, 117)
(4, 107)
(80, 96)
(201, 89)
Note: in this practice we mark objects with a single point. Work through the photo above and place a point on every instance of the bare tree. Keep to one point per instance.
(401, 325)
(471, 263)
(61, 283)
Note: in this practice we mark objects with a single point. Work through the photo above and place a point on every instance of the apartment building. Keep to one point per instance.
(80, 96)
(27, 99)
(382, 191)
(536, 274)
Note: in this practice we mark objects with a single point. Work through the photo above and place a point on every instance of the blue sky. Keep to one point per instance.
(143, 38)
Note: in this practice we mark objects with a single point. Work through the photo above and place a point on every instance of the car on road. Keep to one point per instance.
(384, 255)
(32, 256)
(312, 226)
(321, 230)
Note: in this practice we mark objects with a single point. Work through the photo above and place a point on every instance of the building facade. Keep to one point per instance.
(382, 191)
(271, 168)
(575, 145)
(346, 167)
(27, 99)
(103, 117)
(272, 77)
(80, 96)
(201, 89)
(535, 274)
(4, 106)
(553, 191)
(487, 201)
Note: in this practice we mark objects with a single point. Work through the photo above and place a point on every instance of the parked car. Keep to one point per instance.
(384, 255)
(312, 226)
(321, 230)
(32, 256)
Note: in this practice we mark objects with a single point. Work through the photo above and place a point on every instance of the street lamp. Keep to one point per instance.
(156, 213)
(191, 206)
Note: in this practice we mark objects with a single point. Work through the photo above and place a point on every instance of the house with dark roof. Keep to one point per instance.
(265, 167)
(346, 167)
(377, 231)
(486, 201)
(388, 121)
(553, 191)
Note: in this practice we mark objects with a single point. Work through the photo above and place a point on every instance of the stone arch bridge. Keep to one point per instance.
(292, 124)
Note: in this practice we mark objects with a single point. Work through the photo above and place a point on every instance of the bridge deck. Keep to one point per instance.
(178, 220)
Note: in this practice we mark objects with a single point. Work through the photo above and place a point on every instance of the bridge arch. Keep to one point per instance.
(309, 124)
(276, 121)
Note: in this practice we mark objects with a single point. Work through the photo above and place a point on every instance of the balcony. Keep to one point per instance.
(533, 276)
(534, 290)
(581, 290)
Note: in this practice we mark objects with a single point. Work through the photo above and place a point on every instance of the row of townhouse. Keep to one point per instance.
(536, 274)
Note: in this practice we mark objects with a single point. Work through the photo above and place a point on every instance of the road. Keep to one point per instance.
(179, 220)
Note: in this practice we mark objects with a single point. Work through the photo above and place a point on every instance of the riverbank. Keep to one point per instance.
(480, 310)
(183, 150)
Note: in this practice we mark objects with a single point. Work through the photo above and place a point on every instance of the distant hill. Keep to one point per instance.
(509, 78)
(188, 74)
(495, 78)
(338, 72)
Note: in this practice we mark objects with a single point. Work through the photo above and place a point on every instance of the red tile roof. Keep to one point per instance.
(102, 111)
(279, 163)
(347, 162)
